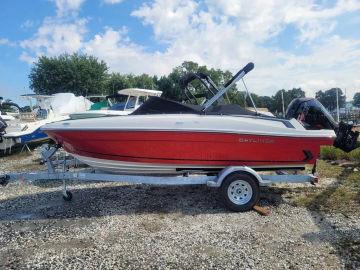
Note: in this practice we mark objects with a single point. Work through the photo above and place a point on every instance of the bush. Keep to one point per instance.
(340, 154)
(332, 153)
(327, 153)
(355, 155)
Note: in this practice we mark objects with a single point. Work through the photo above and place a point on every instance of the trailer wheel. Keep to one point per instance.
(68, 196)
(240, 191)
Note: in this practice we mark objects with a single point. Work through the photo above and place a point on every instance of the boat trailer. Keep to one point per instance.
(239, 185)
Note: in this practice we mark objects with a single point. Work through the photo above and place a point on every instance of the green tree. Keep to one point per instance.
(276, 103)
(328, 98)
(143, 81)
(170, 85)
(117, 81)
(356, 101)
(264, 102)
(86, 75)
(77, 73)
(8, 106)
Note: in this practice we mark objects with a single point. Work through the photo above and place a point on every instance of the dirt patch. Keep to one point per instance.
(151, 226)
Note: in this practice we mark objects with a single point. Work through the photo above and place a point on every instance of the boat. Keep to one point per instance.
(123, 103)
(169, 137)
(9, 112)
(24, 130)
(7, 118)
(99, 102)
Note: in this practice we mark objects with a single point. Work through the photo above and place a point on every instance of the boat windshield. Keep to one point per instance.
(121, 102)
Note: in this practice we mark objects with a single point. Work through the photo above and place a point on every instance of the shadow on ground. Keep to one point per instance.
(118, 200)
(114, 200)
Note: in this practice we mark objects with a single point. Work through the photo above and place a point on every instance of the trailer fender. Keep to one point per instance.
(228, 170)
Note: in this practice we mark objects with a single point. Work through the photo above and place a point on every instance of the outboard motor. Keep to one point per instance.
(346, 138)
(313, 115)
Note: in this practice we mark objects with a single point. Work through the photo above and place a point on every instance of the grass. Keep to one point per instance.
(342, 196)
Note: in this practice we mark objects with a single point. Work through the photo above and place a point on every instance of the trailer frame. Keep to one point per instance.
(58, 169)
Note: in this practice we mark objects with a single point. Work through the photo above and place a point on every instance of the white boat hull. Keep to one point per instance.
(116, 166)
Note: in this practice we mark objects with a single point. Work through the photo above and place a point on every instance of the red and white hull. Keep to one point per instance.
(165, 144)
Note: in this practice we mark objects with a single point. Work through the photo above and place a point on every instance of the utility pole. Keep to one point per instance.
(283, 105)
(337, 105)
(346, 111)
(345, 98)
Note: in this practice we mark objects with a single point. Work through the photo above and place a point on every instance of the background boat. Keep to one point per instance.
(24, 129)
(122, 103)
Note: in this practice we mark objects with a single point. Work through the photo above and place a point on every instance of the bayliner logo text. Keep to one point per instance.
(256, 140)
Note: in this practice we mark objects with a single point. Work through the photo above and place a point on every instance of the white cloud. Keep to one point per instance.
(169, 18)
(314, 21)
(112, 2)
(54, 37)
(232, 33)
(4, 41)
(27, 58)
(65, 7)
(7, 42)
(225, 34)
(263, 19)
(123, 56)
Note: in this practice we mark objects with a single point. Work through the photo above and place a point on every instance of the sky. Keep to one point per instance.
(310, 44)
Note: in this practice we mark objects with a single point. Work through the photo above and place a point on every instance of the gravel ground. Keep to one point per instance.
(110, 225)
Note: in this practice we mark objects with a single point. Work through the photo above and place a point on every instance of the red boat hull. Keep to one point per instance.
(191, 148)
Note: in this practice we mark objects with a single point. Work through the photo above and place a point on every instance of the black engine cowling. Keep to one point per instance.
(313, 115)
(346, 138)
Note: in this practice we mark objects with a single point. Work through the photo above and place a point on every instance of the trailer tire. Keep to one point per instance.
(240, 191)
